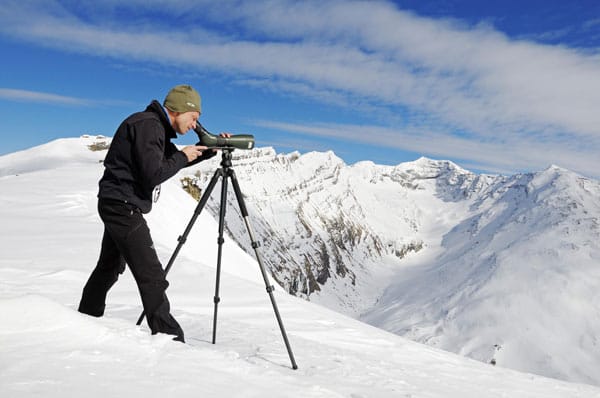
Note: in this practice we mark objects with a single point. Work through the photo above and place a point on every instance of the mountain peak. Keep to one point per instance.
(424, 249)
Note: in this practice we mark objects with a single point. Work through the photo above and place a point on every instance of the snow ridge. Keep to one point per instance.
(481, 265)
(503, 269)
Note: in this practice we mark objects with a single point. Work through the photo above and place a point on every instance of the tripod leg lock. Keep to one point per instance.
(181, 239)
(270, 289)
(216, 300)
(255, 245)
(220, 240)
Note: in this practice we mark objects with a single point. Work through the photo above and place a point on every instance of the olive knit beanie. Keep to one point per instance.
(183, 98)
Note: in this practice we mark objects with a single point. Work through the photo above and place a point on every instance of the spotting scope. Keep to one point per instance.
(238, 141)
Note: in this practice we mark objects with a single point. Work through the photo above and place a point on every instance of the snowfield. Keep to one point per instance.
(50, 240)
(501, 269)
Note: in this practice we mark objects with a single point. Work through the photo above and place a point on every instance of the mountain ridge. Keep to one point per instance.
(371, 238)
(502, 269)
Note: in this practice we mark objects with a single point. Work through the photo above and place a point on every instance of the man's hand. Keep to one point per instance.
(193, 151)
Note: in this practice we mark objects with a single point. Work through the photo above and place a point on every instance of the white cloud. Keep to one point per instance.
(19, 95)
(500, 94)
(500, 156)
(35, 96)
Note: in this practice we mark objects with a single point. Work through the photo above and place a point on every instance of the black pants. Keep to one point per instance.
(127, 240)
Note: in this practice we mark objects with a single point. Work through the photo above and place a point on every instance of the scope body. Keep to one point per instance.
(238, 141)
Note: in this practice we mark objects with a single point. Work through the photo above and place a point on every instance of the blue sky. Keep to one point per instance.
(499, 87)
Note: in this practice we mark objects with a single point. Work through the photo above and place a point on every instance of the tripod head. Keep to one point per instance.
(226, 156)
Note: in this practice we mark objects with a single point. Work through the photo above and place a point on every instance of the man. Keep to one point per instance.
(141, 156)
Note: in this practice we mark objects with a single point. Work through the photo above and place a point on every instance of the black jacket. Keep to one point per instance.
(141, 156)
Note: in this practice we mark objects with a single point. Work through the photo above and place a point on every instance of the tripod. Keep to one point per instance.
(226, 171)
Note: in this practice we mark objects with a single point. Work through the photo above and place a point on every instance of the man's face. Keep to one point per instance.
(185, 121)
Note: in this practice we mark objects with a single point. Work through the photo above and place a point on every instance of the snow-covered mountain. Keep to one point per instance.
(334, 233)
(517, 280)
(501, 268)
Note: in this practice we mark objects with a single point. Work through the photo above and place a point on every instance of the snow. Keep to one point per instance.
(516, 282)
(50, 242)
(497, 268)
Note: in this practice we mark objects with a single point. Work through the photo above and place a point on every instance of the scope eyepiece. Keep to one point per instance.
(238, 141)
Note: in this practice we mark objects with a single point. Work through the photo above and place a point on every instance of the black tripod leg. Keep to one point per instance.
(255, 246)
(220, 241)
(183, 238)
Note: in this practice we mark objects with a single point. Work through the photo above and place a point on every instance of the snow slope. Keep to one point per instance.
(50, 241)
(517, 282)
(500, 269)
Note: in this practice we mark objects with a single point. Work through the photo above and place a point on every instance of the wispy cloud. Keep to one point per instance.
(493, 156)
(591, 24)
(471, 92)
(20, 95)
(35, 96)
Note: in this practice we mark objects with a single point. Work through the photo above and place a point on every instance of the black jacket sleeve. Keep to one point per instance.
(209, 153)
(156, 163)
